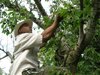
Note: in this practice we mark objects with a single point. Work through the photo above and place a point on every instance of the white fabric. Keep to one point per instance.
(26, 48)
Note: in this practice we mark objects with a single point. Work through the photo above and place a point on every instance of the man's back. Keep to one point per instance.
(25, 52)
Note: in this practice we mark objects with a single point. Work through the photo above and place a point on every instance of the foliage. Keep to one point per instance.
(89, 63)
(47, 53)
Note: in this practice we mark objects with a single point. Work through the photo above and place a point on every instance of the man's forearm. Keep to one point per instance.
(47, 33)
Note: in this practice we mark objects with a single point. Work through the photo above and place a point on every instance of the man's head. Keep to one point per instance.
(23, 27)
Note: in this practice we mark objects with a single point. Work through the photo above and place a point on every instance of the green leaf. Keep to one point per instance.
(58, 73)
(11, 36)
(2, 26)
(81, 63)
(21, 11)
(65, 73)
(11, 13)
(51, 70)
(10, 9)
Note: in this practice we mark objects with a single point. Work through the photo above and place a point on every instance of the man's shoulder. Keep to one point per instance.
(27, 35)
(23, 35)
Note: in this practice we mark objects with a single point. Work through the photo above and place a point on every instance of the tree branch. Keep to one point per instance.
(93, 23)
(7, 54)
(3, 57)
(18, 9)
(2, 50)
(38, 22)
(91, 28)
(16, 2)
(41, 9)
(81, 34)
(96, 4)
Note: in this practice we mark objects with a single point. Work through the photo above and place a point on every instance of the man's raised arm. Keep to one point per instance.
(47, 33)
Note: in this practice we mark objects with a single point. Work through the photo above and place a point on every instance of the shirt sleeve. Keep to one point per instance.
(32, 40)
(28, 40)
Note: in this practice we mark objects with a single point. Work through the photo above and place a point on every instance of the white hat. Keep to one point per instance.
(29, 22)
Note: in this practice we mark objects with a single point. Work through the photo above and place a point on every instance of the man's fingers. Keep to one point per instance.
(58, 17)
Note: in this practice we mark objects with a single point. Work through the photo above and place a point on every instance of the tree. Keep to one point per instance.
(72, 38)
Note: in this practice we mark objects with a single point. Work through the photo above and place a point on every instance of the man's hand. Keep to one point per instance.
(58, 18)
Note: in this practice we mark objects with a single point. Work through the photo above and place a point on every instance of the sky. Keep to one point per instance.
(7, 43)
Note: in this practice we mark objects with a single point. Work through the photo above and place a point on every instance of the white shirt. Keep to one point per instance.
(25, 51)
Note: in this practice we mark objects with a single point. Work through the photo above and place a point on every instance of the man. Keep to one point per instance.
(26, 47)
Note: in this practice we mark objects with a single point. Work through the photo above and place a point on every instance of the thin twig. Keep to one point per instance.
(3, 57)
